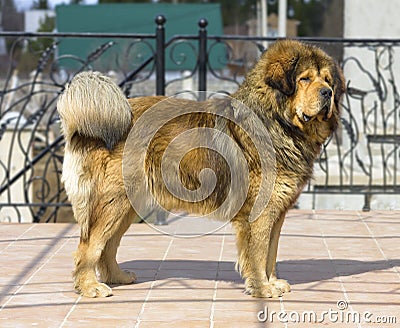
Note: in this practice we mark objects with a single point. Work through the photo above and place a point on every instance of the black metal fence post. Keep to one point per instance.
(160, 55)
(203, 55)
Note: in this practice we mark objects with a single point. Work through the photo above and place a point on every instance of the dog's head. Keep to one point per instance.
(307, 83)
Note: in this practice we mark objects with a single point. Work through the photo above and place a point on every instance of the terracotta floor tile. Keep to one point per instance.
(381, 216)
(241, 324)
(376, 298)
(26, 322)
(249, 305)
(236, 315)
(182, 294)
(174, 283)
(331, 296)
(168, 314)
(327, 256)
(101, 322)
(33, 313)
(198, 265)
(180, 323)
(109, 309)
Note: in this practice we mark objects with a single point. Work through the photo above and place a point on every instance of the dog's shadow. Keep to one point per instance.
(295, 271)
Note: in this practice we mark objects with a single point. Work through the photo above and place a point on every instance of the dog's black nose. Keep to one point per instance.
(326, 93)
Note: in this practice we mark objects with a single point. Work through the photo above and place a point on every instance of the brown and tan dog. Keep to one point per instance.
(293, 90)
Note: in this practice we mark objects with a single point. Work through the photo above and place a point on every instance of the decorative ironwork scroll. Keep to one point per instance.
(362, 158)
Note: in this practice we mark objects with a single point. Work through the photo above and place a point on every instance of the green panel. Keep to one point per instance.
(136, 18)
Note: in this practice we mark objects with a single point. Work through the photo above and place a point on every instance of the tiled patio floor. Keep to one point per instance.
(348, 257)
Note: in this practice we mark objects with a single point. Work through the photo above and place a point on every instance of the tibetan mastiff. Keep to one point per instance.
(294, 90)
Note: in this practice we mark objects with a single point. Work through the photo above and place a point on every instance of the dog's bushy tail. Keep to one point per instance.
(92, 105)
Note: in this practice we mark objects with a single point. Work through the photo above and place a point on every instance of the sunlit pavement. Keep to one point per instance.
(344, 268)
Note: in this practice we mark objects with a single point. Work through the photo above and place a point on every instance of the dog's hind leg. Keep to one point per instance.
(109, 270)
(280, 284)
(107, 216)
(86, 259)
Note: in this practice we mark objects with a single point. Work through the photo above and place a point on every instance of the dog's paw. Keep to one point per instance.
(95, 290)
(281, 284)
(261, 289)
(122, 277)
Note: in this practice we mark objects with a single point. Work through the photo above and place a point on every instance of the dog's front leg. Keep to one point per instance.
(253, 241)
(280, 284)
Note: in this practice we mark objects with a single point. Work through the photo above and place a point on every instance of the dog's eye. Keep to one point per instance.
(305, 79)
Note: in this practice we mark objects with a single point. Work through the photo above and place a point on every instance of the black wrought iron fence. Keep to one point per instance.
(362, 158)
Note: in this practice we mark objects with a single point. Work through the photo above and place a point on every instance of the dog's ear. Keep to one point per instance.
(281, 74)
